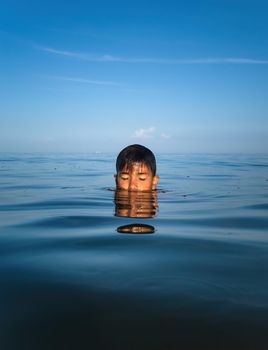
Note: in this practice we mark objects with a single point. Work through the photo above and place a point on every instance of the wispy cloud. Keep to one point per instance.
(81, 56)
(144, 133)
(110, 58)
(82, 80)
(59, 52)
(87, 81)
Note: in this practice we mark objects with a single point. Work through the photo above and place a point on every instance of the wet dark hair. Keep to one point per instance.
(135, 154)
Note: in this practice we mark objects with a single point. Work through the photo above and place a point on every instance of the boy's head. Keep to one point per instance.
(136, 169)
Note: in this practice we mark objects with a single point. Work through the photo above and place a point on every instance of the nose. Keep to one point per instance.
(133, 185)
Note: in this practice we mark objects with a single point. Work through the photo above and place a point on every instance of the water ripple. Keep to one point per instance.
(53, 204)
(71, 221)
(258, 223)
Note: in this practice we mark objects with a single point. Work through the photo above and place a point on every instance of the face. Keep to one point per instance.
(137, 178)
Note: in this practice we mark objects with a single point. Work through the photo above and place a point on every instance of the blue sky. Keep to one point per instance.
(177, 76)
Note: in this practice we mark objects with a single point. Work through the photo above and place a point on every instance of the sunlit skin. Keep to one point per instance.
(138, 177)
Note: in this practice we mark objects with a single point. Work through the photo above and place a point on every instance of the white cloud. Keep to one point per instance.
(144, 133)
(111, 58)
(149, 133)
(164, 136)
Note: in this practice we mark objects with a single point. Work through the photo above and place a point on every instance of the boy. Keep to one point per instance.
(136, 169)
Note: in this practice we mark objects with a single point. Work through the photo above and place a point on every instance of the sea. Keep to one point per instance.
(85, 267)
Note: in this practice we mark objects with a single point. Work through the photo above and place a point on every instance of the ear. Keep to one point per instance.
(155, 182)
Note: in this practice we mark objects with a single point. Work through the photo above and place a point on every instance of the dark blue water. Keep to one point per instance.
(72, 278)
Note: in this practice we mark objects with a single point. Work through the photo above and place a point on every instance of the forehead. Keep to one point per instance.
(137, 168)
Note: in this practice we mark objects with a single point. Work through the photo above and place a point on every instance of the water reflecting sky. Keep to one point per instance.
(68, 277)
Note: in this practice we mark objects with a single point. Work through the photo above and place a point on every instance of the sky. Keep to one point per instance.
(175, 76)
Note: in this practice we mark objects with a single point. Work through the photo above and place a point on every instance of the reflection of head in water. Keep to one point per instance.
(135, 204)
(136, 229)
(136, 169)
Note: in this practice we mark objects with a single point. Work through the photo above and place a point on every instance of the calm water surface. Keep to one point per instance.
(71, 277)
